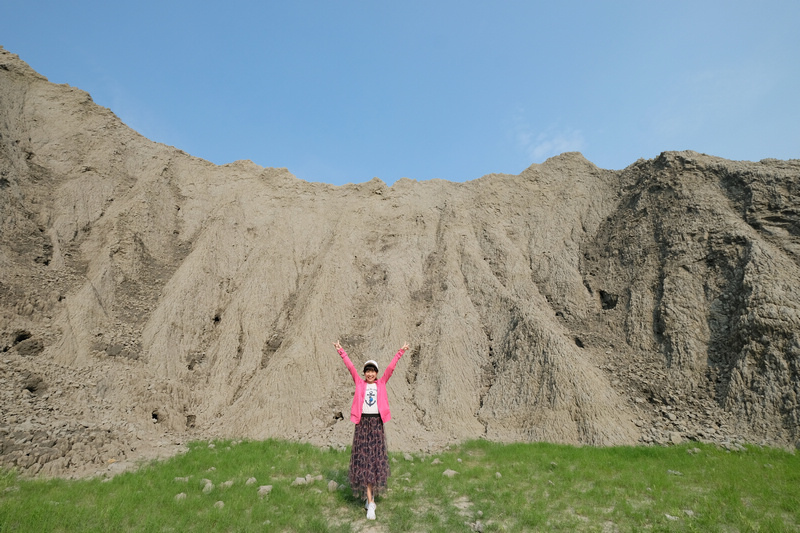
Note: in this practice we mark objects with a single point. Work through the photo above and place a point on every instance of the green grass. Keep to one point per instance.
(513, 487)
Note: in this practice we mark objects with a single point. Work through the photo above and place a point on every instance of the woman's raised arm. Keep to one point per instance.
(348, 363)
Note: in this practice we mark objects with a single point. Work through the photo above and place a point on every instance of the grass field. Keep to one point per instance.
(498, 487)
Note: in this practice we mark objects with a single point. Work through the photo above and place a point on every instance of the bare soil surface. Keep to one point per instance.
(148, 297)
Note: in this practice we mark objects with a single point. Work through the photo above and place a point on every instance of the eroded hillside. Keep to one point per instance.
(148, 297)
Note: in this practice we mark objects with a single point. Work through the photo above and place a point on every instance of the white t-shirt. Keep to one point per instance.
(370, 406)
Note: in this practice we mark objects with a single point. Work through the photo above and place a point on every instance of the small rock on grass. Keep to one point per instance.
(264, 490)
(449, 473)
(181, 496)
(219, 504)
(250, 481)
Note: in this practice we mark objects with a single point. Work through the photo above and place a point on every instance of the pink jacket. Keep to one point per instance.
(361, 388)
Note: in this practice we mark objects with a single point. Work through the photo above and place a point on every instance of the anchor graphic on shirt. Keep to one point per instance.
(370, 398)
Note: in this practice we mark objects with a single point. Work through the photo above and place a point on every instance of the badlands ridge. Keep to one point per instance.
(148, 297)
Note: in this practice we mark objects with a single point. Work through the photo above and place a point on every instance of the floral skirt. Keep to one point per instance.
(369, 460)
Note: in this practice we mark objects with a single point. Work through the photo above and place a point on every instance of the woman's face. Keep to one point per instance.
(370, 375)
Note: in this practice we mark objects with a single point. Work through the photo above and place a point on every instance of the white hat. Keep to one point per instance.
(371, 363)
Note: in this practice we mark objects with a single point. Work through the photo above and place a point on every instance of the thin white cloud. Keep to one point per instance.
(552, 141)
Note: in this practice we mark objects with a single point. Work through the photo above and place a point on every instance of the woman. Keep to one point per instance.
(369, 460)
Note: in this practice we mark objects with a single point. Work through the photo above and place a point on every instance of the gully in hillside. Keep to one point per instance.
(369, 461)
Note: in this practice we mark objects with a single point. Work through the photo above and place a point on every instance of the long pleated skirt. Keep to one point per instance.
(369, 460)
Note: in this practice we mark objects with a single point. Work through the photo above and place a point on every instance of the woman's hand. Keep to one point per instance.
(405, 347)
(337, 346)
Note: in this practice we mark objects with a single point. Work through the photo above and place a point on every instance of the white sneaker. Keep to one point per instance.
(371, 511)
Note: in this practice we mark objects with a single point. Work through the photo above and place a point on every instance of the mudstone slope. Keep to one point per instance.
(148, 297)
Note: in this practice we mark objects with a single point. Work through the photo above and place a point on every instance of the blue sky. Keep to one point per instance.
(343, 91)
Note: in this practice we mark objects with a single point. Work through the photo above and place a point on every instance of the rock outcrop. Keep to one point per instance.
(148, 297)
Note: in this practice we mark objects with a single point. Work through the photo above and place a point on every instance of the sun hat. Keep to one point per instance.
(371, 363)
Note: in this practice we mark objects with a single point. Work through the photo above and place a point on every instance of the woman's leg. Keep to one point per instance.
(370, 503)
